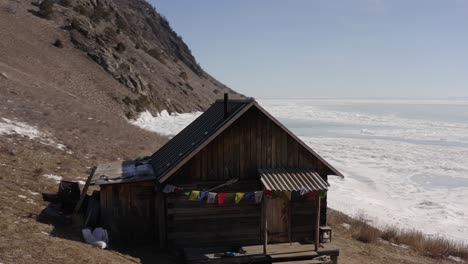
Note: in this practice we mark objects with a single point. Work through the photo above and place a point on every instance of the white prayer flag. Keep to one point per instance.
(258, 196)
(304, 191)
(211, 198)
(169, 188)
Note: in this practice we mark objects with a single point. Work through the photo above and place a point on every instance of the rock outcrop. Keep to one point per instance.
(137, 47)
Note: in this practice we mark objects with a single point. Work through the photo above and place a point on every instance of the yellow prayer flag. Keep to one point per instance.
(288, 195)
(194, 195)
(239, 197)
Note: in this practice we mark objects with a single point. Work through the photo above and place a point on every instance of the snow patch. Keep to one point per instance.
(56, 178)
(456, 259)
(33, 193)
(11, 127)
(165, 123)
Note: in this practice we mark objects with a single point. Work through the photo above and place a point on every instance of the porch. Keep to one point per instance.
(295, 252)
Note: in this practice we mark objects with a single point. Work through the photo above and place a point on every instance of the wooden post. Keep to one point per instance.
(289, 222)
(265, 225)
(82, 196)
(317, 225)
(161, 218)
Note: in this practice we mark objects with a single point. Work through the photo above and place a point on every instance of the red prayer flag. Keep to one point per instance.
(312, 196)
(222, 197)
(268, 193)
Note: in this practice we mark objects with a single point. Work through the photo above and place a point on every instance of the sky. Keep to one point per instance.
(328, 49)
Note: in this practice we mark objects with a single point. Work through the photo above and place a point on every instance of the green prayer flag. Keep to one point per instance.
(230, 197)
(322, 194)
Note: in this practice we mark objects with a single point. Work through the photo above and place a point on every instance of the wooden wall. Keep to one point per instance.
(128, 212)
(253, 141)
(193, 223)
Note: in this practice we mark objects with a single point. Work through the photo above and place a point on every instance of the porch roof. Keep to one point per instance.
(292, 179)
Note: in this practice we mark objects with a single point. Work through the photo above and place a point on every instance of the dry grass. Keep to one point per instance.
(434, 247)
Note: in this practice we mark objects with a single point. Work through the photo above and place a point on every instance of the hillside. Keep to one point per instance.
(64, 109)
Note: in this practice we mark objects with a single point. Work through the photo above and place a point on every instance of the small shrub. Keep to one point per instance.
(121, 22)
(157, 54)
(364, 232)
(81, 10)
(66, 3)
(120, 47)
(389, 234)
(110, 34)
(58, 43)
(46, 9)
(99, 13)
(38, 171)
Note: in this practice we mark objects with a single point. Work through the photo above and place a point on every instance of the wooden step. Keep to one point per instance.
(308, 261)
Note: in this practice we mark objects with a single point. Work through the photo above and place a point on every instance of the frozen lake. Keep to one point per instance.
(405, 162)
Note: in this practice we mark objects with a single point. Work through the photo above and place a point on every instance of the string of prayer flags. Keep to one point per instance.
(239, 196)
(169, 188)
(249, 197)
(194, 195)
(288, 195)
(211, 198)
(312, 196)
(222, 197)
(202, 195)
(230, 197)
(258, 196)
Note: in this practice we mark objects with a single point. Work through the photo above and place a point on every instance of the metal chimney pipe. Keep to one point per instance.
(226, 98)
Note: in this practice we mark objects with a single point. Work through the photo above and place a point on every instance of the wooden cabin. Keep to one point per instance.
(235, 146)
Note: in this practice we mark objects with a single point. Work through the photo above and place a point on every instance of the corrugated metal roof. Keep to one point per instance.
(123, 171)
(191, 137)
(292, 179)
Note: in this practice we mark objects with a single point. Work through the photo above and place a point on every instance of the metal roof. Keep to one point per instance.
(122, 172)
(194, 135)
(292, 179)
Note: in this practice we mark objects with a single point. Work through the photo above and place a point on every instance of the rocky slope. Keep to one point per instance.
(138, 48)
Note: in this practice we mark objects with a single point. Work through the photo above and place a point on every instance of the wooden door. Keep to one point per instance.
(277, 214)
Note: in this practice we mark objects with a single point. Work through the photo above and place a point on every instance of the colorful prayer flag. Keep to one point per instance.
(222, 197)
(276, 194)
(288, 195)
(312, 196)
(230, 197)
(202, 195)
(295, 195)
(211, 198)
(323, 194)
(169, 188)
(194, 195)
(239, 196)
(249, 196)
(258, 196)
